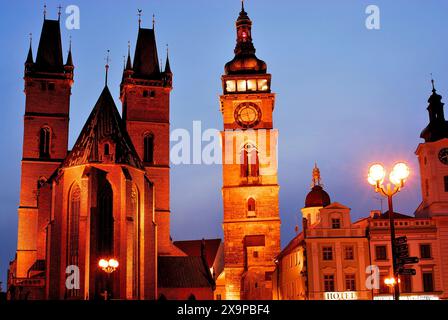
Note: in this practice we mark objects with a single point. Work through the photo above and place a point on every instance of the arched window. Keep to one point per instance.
(251, 204)
(250, 165)
(105, 231)
(44, 142)
(148, 148)
(73, 231)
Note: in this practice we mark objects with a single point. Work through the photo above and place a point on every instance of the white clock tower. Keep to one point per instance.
(433, 161)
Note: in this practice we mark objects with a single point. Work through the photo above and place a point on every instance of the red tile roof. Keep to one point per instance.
(183, 272)
(193, 249)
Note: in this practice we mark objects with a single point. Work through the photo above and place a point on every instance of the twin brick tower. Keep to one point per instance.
(109, 197)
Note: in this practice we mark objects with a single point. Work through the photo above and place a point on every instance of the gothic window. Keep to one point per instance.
(250, 164)
(106, 149)
(73, 234)
(44, 142)
(427, 187)
(136, 249)
(148, 148)
(105, 220)
(445, 181)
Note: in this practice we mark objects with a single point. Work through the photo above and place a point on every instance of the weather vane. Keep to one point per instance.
(139, 17)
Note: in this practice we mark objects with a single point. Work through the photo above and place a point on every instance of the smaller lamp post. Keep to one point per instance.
(108, 266)
(390, 282)
(398, 176)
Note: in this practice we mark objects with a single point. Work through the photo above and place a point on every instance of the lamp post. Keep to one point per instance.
(108, 266)
(397, 177)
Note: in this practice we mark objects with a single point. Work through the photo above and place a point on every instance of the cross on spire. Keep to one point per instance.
(59, 12)
(139, 14)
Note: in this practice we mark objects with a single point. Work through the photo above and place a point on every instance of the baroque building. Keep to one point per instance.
(108, 197)
(305, 271)
(250, 185)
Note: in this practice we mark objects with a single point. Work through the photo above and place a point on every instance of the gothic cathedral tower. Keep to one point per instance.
(48, 83)
(250, 186)
(145, 94)
(433, 161)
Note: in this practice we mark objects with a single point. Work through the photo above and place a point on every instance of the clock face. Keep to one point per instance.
(247, 115)
(443, 156)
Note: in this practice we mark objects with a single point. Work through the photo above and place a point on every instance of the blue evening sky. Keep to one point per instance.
(346, 96)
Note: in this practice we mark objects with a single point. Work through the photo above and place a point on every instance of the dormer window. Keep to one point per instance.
(336, 223)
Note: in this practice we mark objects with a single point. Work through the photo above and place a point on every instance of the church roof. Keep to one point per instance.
(104, 122)
(183, 272)
(193, 248)
(49, 54)
(146, 61)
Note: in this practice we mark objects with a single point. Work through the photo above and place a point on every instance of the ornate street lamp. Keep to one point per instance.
(108, 266)
(398, 176)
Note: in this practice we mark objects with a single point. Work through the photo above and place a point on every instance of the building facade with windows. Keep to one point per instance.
(328, 259)
(316, 269)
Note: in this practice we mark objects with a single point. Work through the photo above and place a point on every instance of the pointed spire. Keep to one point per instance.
(69, 62)
(107, 66)
(129, 63)
(29, 58)
(242, 6)
(167, 64)
(316, 176)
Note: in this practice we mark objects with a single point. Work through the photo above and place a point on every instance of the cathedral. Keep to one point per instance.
(106, 198)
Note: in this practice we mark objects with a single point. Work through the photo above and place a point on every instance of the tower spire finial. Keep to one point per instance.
(139, 17)
(31, 39)
(242, 6)
(433, 84)
(316, 176)
(107, 66)
(59, 12)
(153, 21)
(45, 11)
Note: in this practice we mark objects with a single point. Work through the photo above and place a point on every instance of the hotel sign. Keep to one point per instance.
(347, 295)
